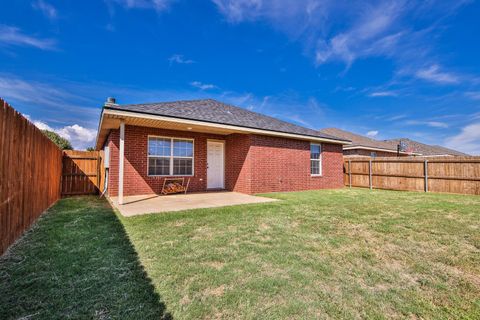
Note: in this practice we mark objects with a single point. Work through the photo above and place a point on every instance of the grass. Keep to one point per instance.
(317, 254)
(76, 262)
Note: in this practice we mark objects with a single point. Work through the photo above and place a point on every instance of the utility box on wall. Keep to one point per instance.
(106, 157)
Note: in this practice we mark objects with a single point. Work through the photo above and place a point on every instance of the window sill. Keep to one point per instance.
(168, 176)
(316, 175)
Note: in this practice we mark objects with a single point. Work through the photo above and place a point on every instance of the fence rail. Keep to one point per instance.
(446, 174)
(30, 170)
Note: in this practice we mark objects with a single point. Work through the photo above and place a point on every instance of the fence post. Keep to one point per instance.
(121, 159)
(425, 173)
(350, 173)
(370, 173)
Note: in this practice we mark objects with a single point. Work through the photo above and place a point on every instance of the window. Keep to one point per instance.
(315, 159)
(373, 154)
(170, 157)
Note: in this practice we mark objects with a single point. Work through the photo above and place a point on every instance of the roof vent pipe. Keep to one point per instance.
(111, 100)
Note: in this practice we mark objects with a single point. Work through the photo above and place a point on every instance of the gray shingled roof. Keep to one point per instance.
(426, 149)
(209, 110)
(359, 140)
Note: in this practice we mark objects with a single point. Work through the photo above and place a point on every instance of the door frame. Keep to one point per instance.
(224, 162)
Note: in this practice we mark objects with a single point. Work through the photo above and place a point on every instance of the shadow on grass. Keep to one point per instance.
(77, 262)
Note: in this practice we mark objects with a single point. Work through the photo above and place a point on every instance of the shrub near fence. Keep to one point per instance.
(30, 172)
(434, 174)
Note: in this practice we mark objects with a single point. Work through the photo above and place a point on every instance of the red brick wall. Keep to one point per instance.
(253, 163)
(136, 179)
(281, 164)
(113, 144)
(237, 163)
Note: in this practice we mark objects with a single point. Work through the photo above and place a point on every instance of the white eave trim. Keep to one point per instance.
(98, 130)
(122, 113)
(379, 149)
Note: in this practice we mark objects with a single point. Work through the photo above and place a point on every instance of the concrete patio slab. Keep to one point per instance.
(136, 205)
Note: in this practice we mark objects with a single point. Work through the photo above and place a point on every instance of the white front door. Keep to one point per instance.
(215, 165)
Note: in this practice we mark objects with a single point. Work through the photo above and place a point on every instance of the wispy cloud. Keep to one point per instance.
(47, 9)
(180, 59)
(383, 94)
(346, 31)
(370, 35)
(434, 74)
(158, 5)
(13, 36)
(203, 86)
(396, 117)
(468, 140)
(433, 124)
(475, 95)
(372, 133)
(58, 101)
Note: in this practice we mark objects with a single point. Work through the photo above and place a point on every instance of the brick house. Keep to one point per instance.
(216, 146)
(362, 146)
(367, 147)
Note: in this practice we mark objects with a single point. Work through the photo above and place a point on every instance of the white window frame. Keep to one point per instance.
(171, 157)
(319, 174)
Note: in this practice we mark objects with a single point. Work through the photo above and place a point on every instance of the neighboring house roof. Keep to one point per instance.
(212, 111)
(425, 149)
(360, 142)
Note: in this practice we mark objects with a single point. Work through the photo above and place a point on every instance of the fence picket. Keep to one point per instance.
(445, 174)
(82, 172)
(30, 173)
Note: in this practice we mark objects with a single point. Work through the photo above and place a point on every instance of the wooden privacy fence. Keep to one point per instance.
(82, 172)
(30, 171)
(446, 174)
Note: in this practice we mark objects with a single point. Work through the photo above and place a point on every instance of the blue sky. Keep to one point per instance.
(388, 69)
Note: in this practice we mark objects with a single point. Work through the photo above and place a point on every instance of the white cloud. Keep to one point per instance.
(158, 5)
(468, 140)
(47, 9)
(383, 94)
(372, 133)
(434, 74)
(13, 36)
(80, 137)
(42, 125)
(180, 59)
(203, 86)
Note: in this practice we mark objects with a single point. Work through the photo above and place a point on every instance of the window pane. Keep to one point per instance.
(158, 147)
(159, 166)
(315, 167)
(182, 148)
(314, 151)
(182, 166)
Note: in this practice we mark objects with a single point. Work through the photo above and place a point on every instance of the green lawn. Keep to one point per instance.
(318, 254)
